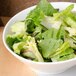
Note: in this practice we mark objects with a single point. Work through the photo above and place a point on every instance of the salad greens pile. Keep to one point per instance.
(46, 35)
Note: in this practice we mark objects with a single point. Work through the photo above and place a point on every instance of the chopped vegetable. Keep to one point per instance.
(29, 47)
(65, 55)
(70, 22)
(72, 31)
(49, 46)
(46, 35)
(35, 17)
(50, 22)
(61, 49)
(18, 27)
(64, 12)
(50, 33)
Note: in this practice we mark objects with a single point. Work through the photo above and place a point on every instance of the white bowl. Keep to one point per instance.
(41, 68)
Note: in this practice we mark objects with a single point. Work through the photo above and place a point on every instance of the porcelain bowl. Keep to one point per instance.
(41, 68)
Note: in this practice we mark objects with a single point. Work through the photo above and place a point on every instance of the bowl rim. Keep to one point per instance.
(24, 59)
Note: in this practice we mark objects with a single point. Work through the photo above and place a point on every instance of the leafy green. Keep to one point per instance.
(65, 55)
(70, 22)
(72, 15)
(61, 33)
(72, 42)
(46, 7)
(11, 39)
(63, 47)
(63, 12)
(50, 22)
(28, 46)
(18, 27)
(29, 55)
(50, 33)
(33, 20)
(17, 47)
(46, 34)
(71, 31)
(35, 17)
(49, 46)
(54, 33)
(18, 30)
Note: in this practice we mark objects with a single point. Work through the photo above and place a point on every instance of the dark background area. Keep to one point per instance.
(11, 7)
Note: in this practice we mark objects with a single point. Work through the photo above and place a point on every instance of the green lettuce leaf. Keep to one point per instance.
(35, 17)
(70, 22)
(63, 12)
(62, 48)
(54, 33)
(50, 33)
(65, 55)
(72, 42)
(11, 39)
(49, 46)
(46, 7)
(28, 49)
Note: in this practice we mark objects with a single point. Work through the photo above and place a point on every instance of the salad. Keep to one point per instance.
(46, 35)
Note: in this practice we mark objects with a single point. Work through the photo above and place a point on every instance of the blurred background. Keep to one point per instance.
(9, 8)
